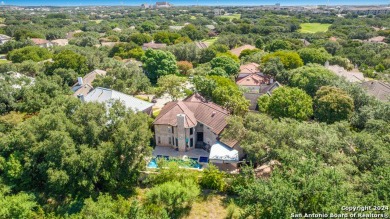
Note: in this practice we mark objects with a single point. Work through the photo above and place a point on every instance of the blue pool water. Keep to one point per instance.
(182, 163)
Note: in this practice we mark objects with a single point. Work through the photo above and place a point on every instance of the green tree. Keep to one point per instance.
(212, 178)
(140, 38)
(278, 45)
(228, 64)
(173, 196)
(68, 59)
(79, 149)
(129, 80)
(312, 55)
(173, 85)
(332, 104)
(193, 32)
(29, 53)
(158, 63)
(291, 103)
(289, 59)
(259, 43)
(311, 77)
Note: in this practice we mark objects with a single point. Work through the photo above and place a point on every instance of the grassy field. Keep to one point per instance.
(3, 61)
(232, 16)
(210, 41)
(314, 27)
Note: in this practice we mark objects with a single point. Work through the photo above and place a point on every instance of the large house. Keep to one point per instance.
(195, 123)
(162, 5)
(153, 45)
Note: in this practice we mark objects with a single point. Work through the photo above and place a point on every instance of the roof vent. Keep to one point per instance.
(213, 114)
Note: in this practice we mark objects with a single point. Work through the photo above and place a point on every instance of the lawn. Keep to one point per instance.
(2, 61)
(210, 41)
(314, 27)
(232, 16)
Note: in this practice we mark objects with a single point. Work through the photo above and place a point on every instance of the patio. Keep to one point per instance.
(171, 152)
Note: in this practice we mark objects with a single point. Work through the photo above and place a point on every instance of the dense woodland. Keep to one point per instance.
(326, 139)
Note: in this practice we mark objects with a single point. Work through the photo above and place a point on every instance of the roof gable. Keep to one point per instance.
(196, 109)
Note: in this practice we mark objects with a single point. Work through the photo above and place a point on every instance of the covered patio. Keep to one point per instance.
(171, 152)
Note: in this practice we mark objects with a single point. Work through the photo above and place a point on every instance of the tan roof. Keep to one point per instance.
(60, 42)
(153, 45)
(334, 39)
(250, 68)
(196, 109)
(253, 80)
(377, 39)
(38, 41)
(237, 51)
(87, 82)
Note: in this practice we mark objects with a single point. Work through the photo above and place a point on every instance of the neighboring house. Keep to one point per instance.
(252, 82)
(70, 35)
(201, 45)
(4, 39)
(378, 89)
(247, 69)
(305, 42)
(117, 29)
(104, 95)
(378, 39)
(163, 5)
(237, 51)
(264, 89)
(153, 45)
(109, 44)
(175, 27)
(41, 42)
(351, 76)
(210, 27)
(60, 42)
(195, 123)
(84, 84)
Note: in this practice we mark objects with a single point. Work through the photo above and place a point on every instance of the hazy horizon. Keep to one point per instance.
(68, 3)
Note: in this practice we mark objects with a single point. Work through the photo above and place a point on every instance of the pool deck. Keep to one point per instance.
(171, 152)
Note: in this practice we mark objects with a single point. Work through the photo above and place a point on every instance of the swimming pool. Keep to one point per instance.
(191, 163)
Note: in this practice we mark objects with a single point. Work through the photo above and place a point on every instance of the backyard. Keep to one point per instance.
(314, 27)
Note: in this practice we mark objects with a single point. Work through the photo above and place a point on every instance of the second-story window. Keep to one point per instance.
(159, 140)
(191, 131)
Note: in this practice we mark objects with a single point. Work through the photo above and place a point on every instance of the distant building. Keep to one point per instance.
(201, 45)
(153, 45)
(4, 39)
(60, 42)
(370, 10)
(145, 6)
(163, 5)
(378, 89)
(175, 27)
(41, 42)
(237, 51)
(218, 12)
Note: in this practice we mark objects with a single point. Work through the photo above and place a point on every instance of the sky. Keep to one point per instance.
(190, 2)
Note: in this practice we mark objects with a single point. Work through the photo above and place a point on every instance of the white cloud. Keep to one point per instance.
(2, 3)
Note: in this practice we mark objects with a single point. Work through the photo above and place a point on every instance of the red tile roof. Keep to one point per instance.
(250, 68)
(196, 109)
(253, 80)
(38, 41)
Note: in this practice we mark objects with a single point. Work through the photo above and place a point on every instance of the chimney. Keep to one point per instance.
(212, 115)
(80, 81)
(81, 97)
(181, 132)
